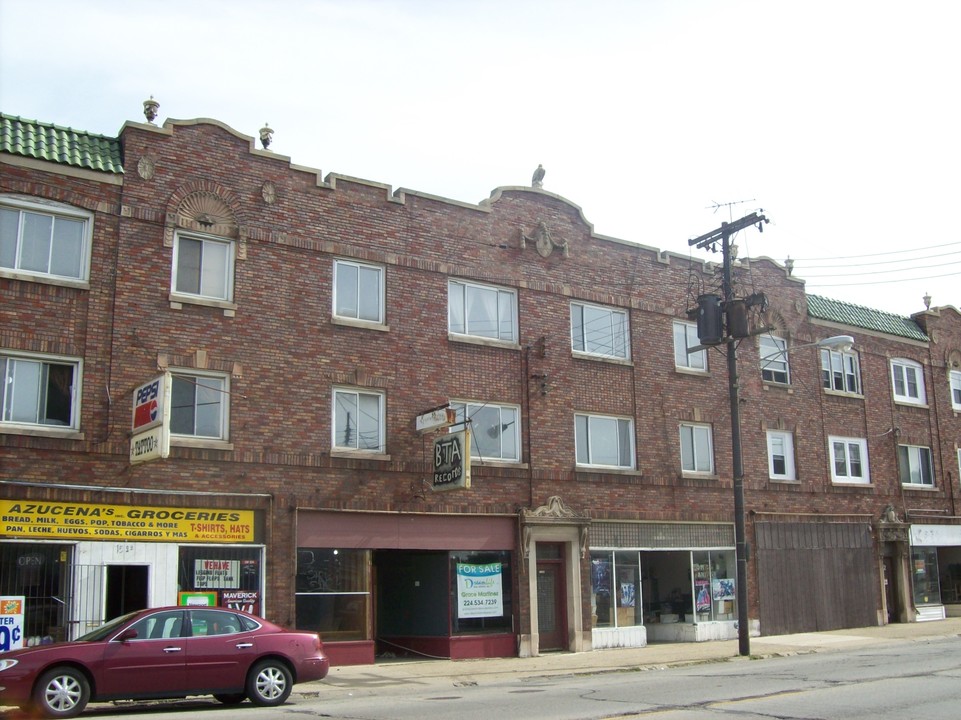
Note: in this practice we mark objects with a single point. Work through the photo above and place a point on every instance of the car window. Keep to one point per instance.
(214, 622)
(160, 626)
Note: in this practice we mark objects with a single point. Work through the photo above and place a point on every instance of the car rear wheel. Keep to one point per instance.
(62, 692)
(231, 698)
(269, 683)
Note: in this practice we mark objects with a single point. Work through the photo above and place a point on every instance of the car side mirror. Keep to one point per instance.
(128, 634)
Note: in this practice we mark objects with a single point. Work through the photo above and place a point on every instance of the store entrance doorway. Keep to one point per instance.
(551, 597)
(126, 589)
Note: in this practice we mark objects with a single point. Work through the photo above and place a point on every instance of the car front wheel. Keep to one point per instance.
(269, 683)
(62, 692)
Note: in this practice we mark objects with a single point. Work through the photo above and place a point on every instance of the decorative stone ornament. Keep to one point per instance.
(150, 108)
(146, 167)
(269, 192)
(544, 241)
(266, 135)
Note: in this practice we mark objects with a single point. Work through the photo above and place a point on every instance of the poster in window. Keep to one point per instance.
(702, 596)
(480, 590)
(723, 588)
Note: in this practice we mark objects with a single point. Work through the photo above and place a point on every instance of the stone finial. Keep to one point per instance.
(266, 135)
(150, 108)
(538, 179)
(789, 265)
(927, 301)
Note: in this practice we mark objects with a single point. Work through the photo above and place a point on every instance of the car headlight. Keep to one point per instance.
(7, 664)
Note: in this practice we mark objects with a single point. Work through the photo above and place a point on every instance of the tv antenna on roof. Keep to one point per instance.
(729, 205)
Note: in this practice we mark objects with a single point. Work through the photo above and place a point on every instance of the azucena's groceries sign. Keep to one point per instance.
(139, 523)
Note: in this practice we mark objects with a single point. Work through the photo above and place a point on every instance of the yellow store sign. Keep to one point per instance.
(140, 523)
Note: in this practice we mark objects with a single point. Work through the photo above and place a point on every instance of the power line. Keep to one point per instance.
(884, 262)
(881, 272)
(882, 282)
(875, 254)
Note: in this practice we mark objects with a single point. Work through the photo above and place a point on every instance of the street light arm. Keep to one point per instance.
(841, 343)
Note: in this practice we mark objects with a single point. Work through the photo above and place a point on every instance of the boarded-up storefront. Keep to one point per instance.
(815, 576)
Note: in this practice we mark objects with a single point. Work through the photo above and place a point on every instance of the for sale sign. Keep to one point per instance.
(11, 622)
(480, 590)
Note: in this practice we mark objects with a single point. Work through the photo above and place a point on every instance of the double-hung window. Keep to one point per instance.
(849, 460)
(907, 377)
(914, 463)
(481, 311)
(697, 452)
(954, 382)
(597, 330)
(840, 371)
(51, 241)
(774, 364)
(359, 420)
(199, 405)
(358, 291)
(780, 455)
(685, 337)
(494, 429)
(203, 267)
(39, 391)
(604, 441)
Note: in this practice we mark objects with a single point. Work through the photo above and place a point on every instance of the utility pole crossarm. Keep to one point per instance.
(728, 229)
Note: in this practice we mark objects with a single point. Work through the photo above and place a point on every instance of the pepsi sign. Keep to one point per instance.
(148, 404)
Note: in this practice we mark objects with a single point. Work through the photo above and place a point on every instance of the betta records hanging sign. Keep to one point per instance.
(452, 461)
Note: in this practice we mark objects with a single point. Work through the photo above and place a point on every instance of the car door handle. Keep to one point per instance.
(244, 646)
(172, 649)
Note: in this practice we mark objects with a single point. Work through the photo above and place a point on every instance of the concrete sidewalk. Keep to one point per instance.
(395, 673)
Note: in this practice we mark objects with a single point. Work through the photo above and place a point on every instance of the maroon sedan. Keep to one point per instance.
(164, 653)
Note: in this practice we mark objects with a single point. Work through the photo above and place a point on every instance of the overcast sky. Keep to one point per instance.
(840, 119)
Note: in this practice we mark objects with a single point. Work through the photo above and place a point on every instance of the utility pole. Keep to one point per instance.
(723, 234)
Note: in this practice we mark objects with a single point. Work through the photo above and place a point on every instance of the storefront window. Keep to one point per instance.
(713, 573)
(616, 599)
(924, 576)
(39, 573)
(234, 573)
(333, 592)
(481, 592)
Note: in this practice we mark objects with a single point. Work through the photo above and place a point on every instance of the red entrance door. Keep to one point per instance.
(551, 597)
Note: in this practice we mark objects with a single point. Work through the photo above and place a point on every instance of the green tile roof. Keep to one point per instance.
(863, 317)
(65, 146)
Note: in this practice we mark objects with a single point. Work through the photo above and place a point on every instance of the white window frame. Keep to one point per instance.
(915, 466)
(954, 386)
(351, 307)
(207, 388)
(462, 293)
(774, 360)
(345, 399)
(490, 421)
(55, 211)
(685, 337)
(844, 474)
(34, 366)
(609, 333)
(225, 275)
(902, 373)
(592, 432)
(692, 461)
(840, 368)
(780, 444)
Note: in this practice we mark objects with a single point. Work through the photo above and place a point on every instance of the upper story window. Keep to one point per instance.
(358, 291)
(494, 429)
(203, 267)
(597, 330)
(39, 391)
(849, 460)
(199, 405)
(914, 463)
(840, 371)
(908, 379)
(685, 337)
(697, 451)
(482, 311)
(780, 455)
(359, 420)
(774, 365)
(50, 241)
(604, 441)
(954, 381)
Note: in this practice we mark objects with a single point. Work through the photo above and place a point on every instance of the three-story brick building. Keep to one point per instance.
(283, 330)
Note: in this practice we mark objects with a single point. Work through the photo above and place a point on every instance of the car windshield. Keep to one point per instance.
(104, 631)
